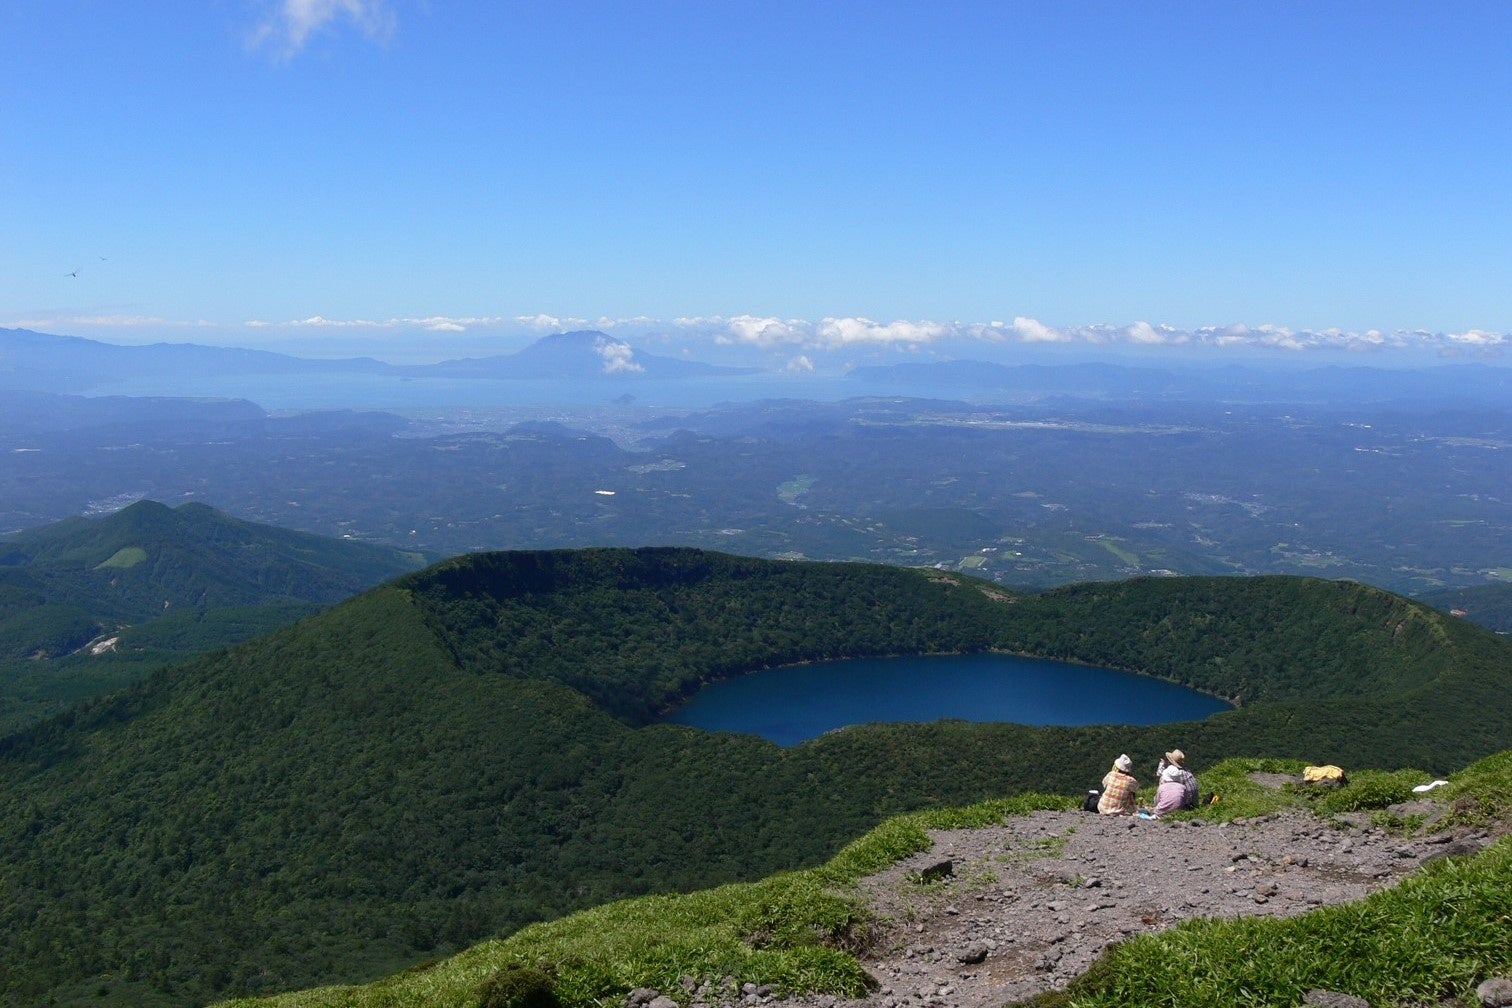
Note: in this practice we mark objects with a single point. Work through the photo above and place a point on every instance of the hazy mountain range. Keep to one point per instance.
(43, 362)
(596, 362)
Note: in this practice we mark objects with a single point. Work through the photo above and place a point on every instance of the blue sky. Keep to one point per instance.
(365, 175)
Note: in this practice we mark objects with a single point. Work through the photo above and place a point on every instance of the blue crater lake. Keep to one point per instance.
(789, 705)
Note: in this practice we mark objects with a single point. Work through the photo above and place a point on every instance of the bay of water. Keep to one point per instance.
(789, 705)
(392, 392)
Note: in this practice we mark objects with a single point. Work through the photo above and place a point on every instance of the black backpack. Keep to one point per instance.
(1089, 803)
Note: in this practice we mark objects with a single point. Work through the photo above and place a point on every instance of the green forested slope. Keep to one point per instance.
(466, 750)
(154, 584)
(149, 557)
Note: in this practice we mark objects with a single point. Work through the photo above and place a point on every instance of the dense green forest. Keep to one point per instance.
(474, 747)
(91, 604)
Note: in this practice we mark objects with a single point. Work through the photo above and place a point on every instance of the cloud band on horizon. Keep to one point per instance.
(837, 333)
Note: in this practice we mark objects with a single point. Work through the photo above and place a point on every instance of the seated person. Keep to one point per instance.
(1171, 792)
(1119, 788)
(1176, 758)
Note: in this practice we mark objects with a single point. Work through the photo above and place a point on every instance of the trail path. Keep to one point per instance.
(1031, 903)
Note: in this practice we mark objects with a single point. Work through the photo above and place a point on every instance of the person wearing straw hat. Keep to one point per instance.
(1177, 759)
(1119, 788)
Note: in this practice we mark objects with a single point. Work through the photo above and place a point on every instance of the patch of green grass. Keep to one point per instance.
(1405, 825)
(1367, 790)
(1435, 935)
(124, 559)
(1478, 794)
(1240, 797)
(1043, 847)
(1127, 556)
(981, 878)
(794, 488)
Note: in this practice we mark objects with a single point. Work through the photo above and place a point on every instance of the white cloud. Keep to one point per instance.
(1144, 334)
(605, 322)
(1034, 331)
(847, 331)
(1282, 338)
(800, 365)
(749, 329)
(618, 357)
(321, 322)
(770, 331)
(54, 323)
(292, 23)
(1477, 338)
(545, 323)
(433, 323)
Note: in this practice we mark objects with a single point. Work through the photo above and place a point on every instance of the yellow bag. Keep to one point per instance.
(1323, 775)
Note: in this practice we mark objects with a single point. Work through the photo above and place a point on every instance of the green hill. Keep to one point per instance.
(470, 748)
(151, 584)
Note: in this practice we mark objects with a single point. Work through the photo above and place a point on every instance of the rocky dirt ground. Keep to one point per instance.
(1029, 904)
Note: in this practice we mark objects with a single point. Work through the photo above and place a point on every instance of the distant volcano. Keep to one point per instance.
(582, 356)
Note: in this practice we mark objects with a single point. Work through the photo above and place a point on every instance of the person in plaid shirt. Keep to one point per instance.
(1118, 788)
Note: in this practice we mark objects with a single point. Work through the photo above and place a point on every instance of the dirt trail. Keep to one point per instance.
(1031, 903)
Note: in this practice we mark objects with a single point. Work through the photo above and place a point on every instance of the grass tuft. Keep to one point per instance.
(518, 987)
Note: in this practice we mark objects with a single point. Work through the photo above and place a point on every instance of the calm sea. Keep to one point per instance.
(788, 705)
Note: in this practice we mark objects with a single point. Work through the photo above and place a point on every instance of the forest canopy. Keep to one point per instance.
(472, 747)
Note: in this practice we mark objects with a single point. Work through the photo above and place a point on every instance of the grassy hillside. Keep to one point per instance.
(470, 748)
(1437, 933)
(148, 585)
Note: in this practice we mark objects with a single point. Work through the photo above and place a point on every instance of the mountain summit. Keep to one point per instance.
(582, 356)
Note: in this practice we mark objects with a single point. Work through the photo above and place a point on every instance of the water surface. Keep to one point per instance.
(788, 705)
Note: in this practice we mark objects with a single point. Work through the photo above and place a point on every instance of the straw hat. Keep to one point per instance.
(1176, 756)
